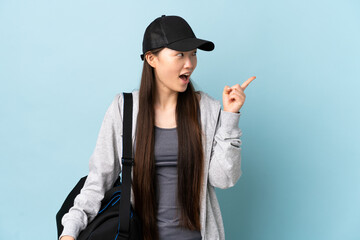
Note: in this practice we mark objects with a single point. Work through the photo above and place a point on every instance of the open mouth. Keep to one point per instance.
(184, 77)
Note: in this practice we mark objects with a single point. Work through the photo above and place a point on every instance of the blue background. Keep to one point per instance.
(62, 62)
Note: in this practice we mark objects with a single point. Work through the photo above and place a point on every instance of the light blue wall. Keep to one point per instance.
(62, 62)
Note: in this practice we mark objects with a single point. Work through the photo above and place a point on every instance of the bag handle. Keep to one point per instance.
(127, 162)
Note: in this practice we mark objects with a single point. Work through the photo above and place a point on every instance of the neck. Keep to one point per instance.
(165, 99)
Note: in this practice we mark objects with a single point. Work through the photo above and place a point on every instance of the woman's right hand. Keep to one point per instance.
(67, 238)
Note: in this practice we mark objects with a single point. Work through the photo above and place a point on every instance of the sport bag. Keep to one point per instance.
(116, 219)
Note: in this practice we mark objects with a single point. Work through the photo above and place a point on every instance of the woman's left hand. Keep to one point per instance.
(234, 97)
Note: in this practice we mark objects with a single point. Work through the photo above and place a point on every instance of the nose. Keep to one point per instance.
(190, 63)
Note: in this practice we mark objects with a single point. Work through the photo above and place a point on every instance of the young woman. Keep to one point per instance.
(185, 145)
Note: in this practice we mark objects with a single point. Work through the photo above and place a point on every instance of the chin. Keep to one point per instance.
(183, 90)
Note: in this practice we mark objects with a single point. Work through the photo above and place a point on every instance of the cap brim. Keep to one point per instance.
(190, 44)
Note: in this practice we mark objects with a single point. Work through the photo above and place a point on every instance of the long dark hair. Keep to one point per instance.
(190, 156)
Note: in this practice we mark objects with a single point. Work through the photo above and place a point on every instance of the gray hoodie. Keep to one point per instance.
(222, 165)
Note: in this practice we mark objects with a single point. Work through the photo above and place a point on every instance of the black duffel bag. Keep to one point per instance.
(116, 218)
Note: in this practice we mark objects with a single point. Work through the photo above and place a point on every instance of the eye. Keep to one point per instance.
(194, 54)
(179, 54)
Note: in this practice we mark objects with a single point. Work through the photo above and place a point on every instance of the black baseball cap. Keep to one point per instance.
(172, 32)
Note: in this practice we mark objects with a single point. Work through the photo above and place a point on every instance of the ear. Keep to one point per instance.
(150, 58)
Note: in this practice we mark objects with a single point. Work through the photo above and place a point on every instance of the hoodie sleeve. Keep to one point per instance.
(225, 160)
(104, 167)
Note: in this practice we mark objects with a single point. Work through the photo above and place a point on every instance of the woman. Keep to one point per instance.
(185, 144)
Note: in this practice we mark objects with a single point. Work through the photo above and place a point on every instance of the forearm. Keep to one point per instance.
(225, 162)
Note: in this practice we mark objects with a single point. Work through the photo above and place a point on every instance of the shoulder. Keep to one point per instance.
(118, 102)
(210, 109)
(119, 97)
(208, 101)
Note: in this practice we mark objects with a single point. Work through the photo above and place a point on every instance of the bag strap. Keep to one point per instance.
(127, 163)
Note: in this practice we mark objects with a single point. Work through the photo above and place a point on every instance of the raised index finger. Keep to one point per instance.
(247, 82)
